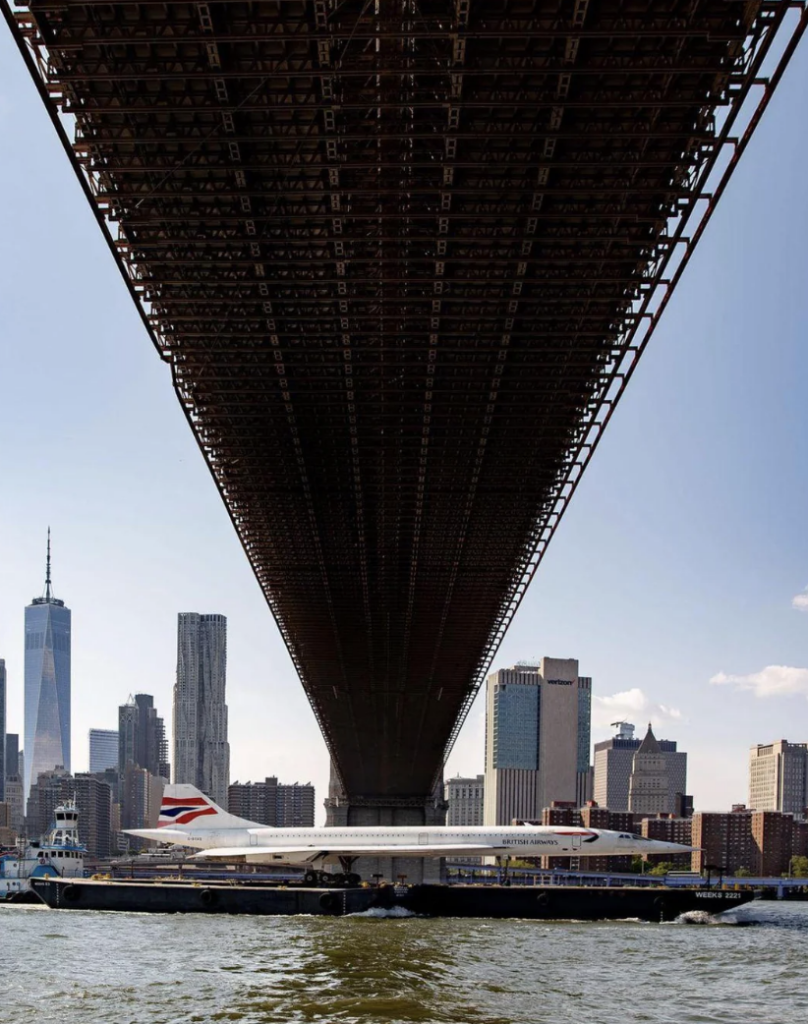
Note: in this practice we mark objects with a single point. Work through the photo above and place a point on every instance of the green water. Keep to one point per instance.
(78, 966)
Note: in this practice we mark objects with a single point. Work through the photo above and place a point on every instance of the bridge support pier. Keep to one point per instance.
(370, 811)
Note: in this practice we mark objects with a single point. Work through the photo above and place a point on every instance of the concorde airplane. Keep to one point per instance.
(189, 818)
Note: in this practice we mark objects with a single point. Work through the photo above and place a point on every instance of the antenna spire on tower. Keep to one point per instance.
(48, 572)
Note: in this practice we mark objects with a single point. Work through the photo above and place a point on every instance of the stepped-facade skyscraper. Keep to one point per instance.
(649, 786)
(201, 750)
(614, 763)
(47, 683)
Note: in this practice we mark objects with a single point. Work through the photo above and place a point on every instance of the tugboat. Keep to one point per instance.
(60, 855)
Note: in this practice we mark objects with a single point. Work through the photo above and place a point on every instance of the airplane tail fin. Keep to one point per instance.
(185, 804)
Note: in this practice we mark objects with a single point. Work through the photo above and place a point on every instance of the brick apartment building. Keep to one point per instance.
(669, 829)
(761, 842)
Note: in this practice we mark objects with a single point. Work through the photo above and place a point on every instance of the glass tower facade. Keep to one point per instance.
(584, 722)
(47, 684)
(103, 749)
(516, 726)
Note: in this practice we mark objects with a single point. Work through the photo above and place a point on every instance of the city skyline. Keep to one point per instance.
(631, 701)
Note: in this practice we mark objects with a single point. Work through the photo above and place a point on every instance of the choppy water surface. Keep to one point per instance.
(77, 966)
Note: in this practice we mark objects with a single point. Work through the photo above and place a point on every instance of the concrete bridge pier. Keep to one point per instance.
(378, 810)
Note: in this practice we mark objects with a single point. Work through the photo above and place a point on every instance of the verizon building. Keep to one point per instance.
(536, 738)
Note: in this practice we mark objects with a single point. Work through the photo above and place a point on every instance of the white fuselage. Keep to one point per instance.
(309, 845)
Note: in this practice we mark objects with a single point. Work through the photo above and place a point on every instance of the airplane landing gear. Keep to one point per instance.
(327, 880)
(340, 879)
(350, 877)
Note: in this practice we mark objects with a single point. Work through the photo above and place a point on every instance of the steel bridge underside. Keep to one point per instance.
(402, 257)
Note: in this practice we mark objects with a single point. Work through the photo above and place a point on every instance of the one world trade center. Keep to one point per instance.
(47, 684)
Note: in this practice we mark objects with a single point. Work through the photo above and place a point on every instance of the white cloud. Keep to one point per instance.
(772, 681)
(800, 601)
(631, 706)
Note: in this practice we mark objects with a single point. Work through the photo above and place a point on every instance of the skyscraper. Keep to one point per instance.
(466, 800)
(2, 730)
(47, 683)
(778, 777)
(103, 749)
(614, 760)
(648, 788)
(15, 775)
(12, 766)
(201, 750)
(584, 775)
(141, 737)
(535, 717)
(142, 761)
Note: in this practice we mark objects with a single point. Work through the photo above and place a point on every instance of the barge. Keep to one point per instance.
(580, 903)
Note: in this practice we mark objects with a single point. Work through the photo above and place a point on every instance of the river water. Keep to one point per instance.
(76, 967)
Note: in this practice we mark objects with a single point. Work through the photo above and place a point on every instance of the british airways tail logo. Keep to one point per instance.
(176, 811)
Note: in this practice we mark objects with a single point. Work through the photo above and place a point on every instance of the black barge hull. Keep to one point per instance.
(547, 903)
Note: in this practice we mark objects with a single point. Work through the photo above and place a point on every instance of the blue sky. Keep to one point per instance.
(677, 563)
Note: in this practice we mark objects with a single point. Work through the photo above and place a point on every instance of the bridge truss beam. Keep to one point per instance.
(402, 257)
